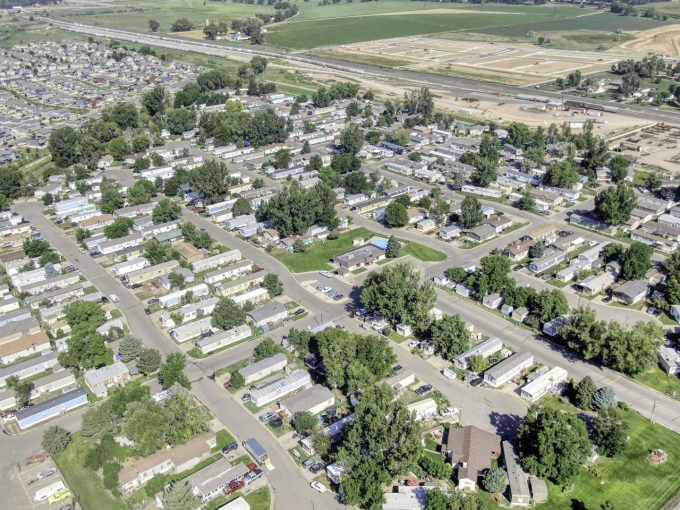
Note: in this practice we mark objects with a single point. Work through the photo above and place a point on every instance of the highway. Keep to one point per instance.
(459, 86)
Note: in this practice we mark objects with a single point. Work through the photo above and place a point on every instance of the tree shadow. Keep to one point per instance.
(578, 505)
(506, 425)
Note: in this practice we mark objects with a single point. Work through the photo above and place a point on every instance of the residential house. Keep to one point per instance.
(145, 274)
(423, 409)
(192, 330)
(485, 349)
(669, 360)
(280, 388)
(30, 367)
(167, 460)
(25, 345)
(268, 314)
(221, 259)
(552, 257)
(209, 482)
(51, 408)
(480, 233)
(471, 451)
(492, 300)
(175, 298)
(263, 368)
(553, 381)
(53, 382)
(223, 339)
(229, 272)
(101, 379)
(631, 292)
(450, 232)
(509, 368)
(358, 257)
(312, 400)
(520, 495)
(127, 266)
(551, 328)
(595, 284)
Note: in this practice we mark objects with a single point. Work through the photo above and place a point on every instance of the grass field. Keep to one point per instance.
(318, 255)
(629, 481)
(345, 23)
(86, 484)
(660, 381)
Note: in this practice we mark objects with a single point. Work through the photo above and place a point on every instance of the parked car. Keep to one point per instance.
(267, 417)
(296, 453)
(299, 311)
(318, 486)
(252, 476)
(245, 397)
(276, 423)
(413, 344)
(421, 390)
(396, 368)
(230, 447)
(113, 298)
(234, 485)
(327, 274)
(147, 311)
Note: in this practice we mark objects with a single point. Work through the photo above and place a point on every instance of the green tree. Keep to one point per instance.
(149, 361)
(86, 349)
(227, 315)
(393, 248)
(210, 180)
(610, 433)
(396, 215)
(304, 421)
(619, 168)
(477, 363)
(436, 467)
(180, 496)
(172, 371)
(485, 171)
(450, 336)
(130, 348)
(63, 146)
(111, 199)
(55, 439)
(382, 442)
(119, 228)
(614, 205)
(79, 313)
(241, 206)
(182, 25)
(282, 158)
(471, 212)
(273, 284)
(153, 25)
(553, 444)
(399, 295)
(352, 138)
(495, 480)
(527, 202)
(584, 392)
(635, 350)
(266, 349)
(604, 398)
(179, 120)
(184, 417)
(584, 333)
(636, 261)
(141, 192)
(35, 247)
(48, 199)
(166, 210)
(22, 390)
(547, 305)
(99, 420)
(562, 174)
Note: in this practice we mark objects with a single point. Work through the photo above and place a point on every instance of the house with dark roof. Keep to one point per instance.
(471, 451)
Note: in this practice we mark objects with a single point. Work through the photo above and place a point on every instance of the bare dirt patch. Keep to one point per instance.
(663, 40)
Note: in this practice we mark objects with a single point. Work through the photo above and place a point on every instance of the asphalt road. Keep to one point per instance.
(465, 87)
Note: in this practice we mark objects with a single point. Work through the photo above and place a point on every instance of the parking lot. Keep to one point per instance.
(40, 477)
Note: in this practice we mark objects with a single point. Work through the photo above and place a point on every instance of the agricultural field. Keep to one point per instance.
(347, 23)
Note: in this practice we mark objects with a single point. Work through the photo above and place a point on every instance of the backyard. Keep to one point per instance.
(630, 480)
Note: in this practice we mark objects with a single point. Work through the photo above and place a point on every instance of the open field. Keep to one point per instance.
(663, 40)
(630, 480)
(518, 63)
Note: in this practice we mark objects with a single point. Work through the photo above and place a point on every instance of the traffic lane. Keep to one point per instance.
(129, 305)
(640, 398)
(290, 489)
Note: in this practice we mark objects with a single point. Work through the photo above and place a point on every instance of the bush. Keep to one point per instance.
(55, 439)
(436, 467)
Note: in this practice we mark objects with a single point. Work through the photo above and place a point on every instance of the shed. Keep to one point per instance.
(256, 450)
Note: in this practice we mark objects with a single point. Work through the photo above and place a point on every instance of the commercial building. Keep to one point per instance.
(56, 406)
(263, 368)
(223, 339)
(553, 381)
(280, 388)
(312, 400)
(507, 369)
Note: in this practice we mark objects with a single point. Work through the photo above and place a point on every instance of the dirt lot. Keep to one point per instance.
(662, 40)
(515, 62)
(655, 146)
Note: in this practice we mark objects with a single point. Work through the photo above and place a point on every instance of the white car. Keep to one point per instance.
(318, 486)
(413, 344)
(327, 274)
(113, 298)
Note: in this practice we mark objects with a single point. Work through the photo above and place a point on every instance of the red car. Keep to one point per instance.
(252, 466)
(234, 485)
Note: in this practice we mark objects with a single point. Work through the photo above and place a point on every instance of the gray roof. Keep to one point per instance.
(21, 326)
(508, 363)
(517, 478)
(265, 312)
(633, 288)
(262, 364)
(306, 399)
(49, 404)
(19, 367)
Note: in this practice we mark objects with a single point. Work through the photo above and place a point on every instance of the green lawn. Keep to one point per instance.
(85, 484)
(318, 255)
(659, 380)
(259, 500)
(629, 481)
(422, 252)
